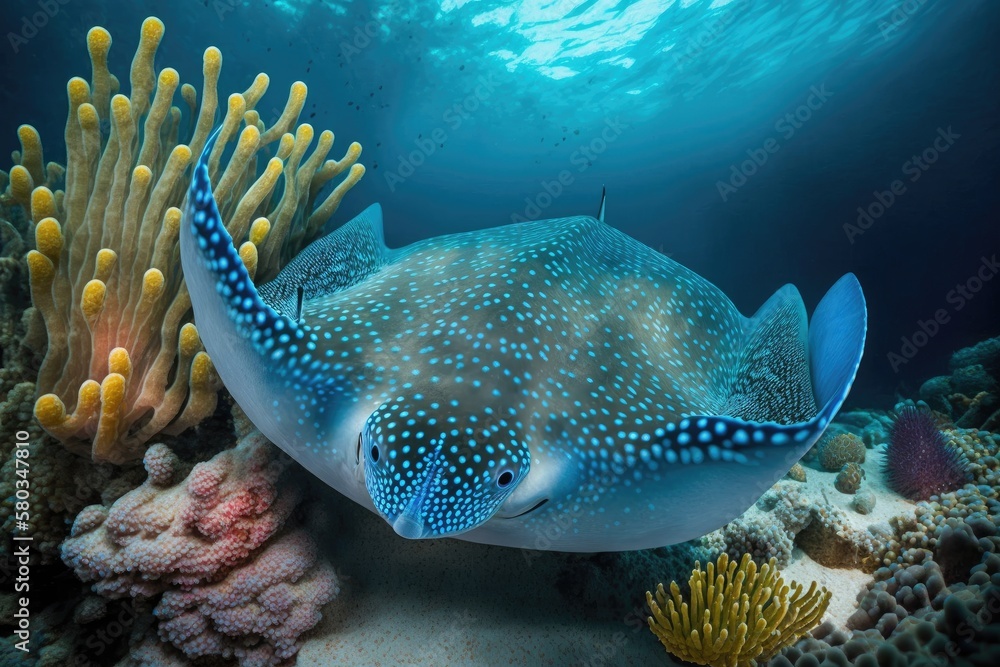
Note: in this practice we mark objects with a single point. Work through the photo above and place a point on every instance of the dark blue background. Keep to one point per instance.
(784, 225)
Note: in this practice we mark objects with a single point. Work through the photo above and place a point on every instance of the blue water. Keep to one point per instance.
(662, 102)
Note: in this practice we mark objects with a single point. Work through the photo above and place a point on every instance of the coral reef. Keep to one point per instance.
(54, 635)
(872, 426)
(761, 537)
(797, 472)
(736, 615)
(232, 583)
(970, 395)
(58, 485)
(919, 463)
(921, 531)
(936, 598)
(849, 478)
(910, 615)
(123, 361)
(835, 451)
(16, 356)
(785, 519)
(897, 592)
(864, 502)
(259, 612)
(830, 540)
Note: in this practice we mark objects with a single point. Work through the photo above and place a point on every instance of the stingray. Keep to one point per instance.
(545, 385)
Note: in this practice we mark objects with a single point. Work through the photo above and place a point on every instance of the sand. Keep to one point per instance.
(845, 584)
(448, 602)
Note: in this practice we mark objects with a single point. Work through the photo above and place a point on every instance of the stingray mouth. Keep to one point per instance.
(527, 511)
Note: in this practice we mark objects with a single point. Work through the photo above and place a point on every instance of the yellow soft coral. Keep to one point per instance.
(105, 274)
(736, 614)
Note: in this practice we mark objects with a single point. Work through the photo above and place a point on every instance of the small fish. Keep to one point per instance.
(552, 379)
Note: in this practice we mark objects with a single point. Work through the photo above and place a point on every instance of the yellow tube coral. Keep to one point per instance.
(736, 615)
(124, 362)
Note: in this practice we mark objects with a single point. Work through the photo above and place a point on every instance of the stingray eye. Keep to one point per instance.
(374, 453)
(505, 479)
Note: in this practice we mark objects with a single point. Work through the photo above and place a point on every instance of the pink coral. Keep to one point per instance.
(206, 544)
(155, 537)
(258, 612)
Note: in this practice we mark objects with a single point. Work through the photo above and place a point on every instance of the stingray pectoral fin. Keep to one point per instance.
(791, 374)
(253, 348)
(743, 457)
(836, 341)
(774, 364)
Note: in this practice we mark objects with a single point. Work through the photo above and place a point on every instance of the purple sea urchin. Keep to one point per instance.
(918, 462)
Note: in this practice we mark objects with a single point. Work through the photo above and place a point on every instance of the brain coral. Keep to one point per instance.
(918, 461)
(837, 450)
(849, 478)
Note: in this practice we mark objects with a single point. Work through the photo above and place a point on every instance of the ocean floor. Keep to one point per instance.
(242, 558)
(449, 602)
(844, 583)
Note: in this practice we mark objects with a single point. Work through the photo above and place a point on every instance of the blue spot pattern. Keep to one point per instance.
(502, 381)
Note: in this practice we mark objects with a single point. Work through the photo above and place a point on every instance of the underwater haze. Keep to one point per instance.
(211, 481)
(658, 101)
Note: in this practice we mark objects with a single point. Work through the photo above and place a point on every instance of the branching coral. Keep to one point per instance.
(736, 614)
(124, 362)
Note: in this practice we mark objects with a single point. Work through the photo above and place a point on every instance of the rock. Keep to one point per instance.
(972, 380)
(864, 502)
(985, 353)
(936, 392)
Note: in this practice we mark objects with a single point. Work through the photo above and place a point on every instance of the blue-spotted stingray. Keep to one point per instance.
(552, 384)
